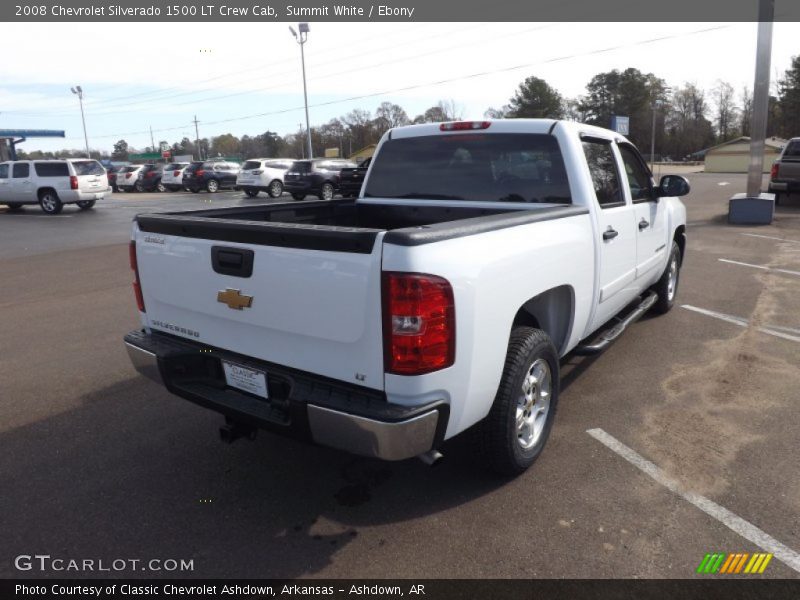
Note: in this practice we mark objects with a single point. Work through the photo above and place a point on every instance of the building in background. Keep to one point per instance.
(733, 156)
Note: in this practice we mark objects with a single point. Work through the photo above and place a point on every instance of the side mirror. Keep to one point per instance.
(673, 185)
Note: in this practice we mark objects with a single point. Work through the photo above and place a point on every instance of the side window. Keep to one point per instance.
(21, 170)
(603, 169)
(638, 174)
(4, 171)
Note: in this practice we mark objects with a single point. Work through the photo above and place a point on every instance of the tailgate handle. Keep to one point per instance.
(232, 261)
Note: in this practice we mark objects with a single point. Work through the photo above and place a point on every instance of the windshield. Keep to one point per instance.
(479, 167)
(88, 167)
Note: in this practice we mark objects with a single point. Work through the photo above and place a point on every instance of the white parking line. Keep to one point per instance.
(771, 237)
(762, 267)
(734, 522)
(774, 330)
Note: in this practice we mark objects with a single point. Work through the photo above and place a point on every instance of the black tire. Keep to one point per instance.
(667, 293)
(195, 190)
(13, 207)
(138, 187)
(501, 445)
(85, 204)
(298, 196)
(212, 186)
(252, 193)
(275, 189)
(50, 202)
(326, 192)
(160, 187)
(777, 198)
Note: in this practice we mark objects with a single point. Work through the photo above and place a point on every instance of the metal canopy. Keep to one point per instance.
(30, 133)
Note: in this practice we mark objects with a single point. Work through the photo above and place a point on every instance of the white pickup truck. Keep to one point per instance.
(476, 256)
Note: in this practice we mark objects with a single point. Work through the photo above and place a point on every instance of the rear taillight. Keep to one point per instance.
(73, 182)
(773, 174)
(199, 173)
(149, 174)
(176, 173)
(419, 323)
(464, 125)
(128, 175)
(137, 286)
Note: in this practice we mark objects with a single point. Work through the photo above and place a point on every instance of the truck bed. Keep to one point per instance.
(343, 225)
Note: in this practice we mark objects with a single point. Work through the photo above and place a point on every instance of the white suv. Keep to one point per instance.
(263, 175)
(172, 177)
(128, 179)
(52, 183)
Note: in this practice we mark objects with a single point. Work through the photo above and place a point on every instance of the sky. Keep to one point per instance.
(245, 78)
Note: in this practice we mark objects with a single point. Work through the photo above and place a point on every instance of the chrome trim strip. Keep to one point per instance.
(367, 437)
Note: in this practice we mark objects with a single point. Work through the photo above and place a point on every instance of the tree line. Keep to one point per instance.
(687, 118)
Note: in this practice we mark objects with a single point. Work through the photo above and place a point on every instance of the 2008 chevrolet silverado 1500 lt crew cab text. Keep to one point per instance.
(476, 256)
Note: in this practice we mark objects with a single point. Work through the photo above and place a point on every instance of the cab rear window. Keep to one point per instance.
(479, 167)
(51, 169)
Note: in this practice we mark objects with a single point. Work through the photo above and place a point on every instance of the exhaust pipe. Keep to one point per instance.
(231, 431)
(431, 457)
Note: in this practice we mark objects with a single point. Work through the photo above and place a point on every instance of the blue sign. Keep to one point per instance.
(621, 124)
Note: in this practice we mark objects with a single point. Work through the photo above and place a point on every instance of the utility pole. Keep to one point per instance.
(758, 127)
(152, 142)
(197, 139)
(77, 90)
(301, 39)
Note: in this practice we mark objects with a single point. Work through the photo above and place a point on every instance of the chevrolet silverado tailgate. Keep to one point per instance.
(302, 296)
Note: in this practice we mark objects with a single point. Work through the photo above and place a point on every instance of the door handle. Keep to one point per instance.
(610, 234)
(643, 225)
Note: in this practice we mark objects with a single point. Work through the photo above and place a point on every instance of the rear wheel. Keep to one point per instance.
(326, 192)
(251, 192)
(298, 196)
(85, 204)
(138, 187)
(212, 186)
(160, 187)
(50, 202)
(777, 198)
(514, 433)
(275, 189)
(667, 286)
(14, 207)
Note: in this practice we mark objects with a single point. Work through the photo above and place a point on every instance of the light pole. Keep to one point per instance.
(77, 90)
(301, 39)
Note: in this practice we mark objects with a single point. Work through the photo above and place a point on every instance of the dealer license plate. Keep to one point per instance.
(245, 379)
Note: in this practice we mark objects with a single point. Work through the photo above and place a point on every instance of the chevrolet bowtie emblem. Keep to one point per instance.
(234, 299)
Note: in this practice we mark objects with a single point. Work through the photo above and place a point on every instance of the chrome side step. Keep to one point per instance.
(612, 333)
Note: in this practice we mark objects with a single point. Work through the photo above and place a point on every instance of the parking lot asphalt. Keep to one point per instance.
(99, 463)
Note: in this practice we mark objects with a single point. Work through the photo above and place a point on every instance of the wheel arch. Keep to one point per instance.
(45, 188)
(679, 237)
(552, 311)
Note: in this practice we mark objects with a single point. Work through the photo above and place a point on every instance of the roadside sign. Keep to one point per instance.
(620, 124)
(166, 154)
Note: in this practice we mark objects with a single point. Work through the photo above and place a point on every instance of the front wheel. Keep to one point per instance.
(251, 193)
(212, 186)
(275, 189)
(514, 433)
(85, 204)
(50, 202)
(14, 207)
(160, 187)
(138, 187)
(667, 287)
(298, 196)
(326, 192)
(777, 198)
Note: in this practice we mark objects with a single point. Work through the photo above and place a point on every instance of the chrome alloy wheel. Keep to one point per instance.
(672, 281)
(533, 404)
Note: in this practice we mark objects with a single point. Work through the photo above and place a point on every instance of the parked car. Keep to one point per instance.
(442, 299)
(785, 175)
(172, 176)
(150, 178)
(318, 176)
(128, 179)
(52, 183)
(263, 175)
(351, 179)
(210, 175)
(111, 174)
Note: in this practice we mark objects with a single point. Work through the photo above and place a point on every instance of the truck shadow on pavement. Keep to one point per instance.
(133, 472)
